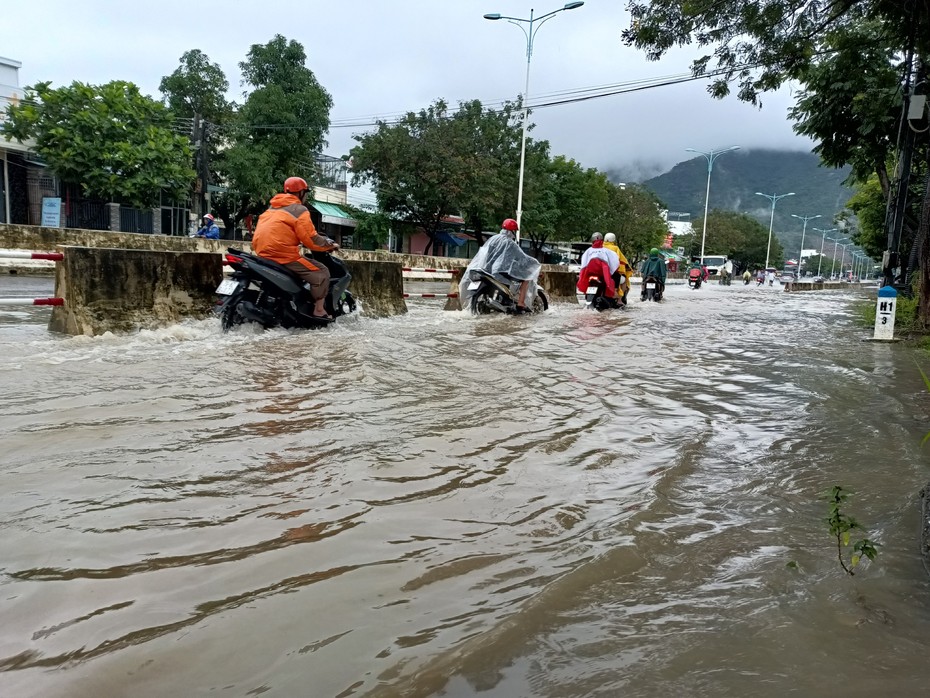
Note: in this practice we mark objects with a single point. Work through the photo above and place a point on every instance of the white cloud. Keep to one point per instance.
(378, 57)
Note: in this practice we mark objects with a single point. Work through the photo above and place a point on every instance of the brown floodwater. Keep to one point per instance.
(574, 504)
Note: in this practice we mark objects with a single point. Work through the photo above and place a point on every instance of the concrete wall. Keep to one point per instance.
(378, 286)
(559, 284)
(795, 286)
(119, 290)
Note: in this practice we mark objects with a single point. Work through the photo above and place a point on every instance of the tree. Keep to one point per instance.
(277, 132)
(372, 226)
(435, 162)
(197, 87)
(113, 141)
(637, 220)
(566, 204)
(740, 237)
(762, 43)
(493, 136)
(196, 90)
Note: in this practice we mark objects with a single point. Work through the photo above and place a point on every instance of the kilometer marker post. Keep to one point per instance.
(884, 314)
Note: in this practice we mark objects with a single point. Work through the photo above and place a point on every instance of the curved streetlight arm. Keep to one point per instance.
(774, 198)
(529, 32)
(710, 157)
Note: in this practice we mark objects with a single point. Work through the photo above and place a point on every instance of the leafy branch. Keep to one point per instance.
(841, 525)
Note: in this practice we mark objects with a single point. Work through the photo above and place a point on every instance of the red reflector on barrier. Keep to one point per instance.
(48, 301)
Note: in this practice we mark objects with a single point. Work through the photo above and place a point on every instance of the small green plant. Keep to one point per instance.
(841, 525)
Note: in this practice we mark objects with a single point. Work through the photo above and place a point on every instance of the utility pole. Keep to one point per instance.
(205, 165)
(200, 187)
(897, 201)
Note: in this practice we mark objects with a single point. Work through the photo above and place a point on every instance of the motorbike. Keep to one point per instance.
(271, 295)
(489, 295)
(724, 279)
(595, 297)
(695, 280)
(651, 289)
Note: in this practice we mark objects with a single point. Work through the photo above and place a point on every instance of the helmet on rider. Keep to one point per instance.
(510, 224)
(295, 185)
(610, 237)
(654, 252)
(596, 236)
(209, 217)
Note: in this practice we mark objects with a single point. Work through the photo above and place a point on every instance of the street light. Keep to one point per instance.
(822, 242)
(843, 261)
(835, 242)
(530, 35)
(710, 156)
(774, 199)
(804, 230)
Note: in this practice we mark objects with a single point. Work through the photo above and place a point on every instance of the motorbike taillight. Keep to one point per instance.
(233, 259)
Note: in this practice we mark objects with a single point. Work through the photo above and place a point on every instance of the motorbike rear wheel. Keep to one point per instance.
(231, 317)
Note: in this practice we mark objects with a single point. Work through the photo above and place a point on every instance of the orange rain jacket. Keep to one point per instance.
(283, 228)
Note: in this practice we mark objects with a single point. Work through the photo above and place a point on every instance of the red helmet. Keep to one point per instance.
(295, 185)
(210, 217)
(510, 224)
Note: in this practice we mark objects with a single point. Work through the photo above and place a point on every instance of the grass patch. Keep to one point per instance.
(905, 315)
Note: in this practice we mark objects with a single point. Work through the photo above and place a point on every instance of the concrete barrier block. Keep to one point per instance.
(559, 285)
(119, 290)
(379, 286)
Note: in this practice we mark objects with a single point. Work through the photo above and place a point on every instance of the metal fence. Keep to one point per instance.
(86, 214)
(132, 220)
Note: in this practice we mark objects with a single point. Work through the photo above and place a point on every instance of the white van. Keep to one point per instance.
(714, 263)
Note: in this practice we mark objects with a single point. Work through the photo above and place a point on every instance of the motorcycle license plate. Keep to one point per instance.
(473, 286)
(226, 287)
(650, 285)
(591, 290)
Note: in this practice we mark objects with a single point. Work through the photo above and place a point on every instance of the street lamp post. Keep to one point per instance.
(774, 199)
(835, 242)
(823, 241)
(843, 260)
(803, 231)
(710, 156)
(530, 35)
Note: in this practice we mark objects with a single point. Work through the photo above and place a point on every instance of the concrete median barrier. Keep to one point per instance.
(559, 284)
(119, 290)
(379, 287)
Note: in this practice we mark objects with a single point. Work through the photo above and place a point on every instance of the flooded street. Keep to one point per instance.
(573, 504)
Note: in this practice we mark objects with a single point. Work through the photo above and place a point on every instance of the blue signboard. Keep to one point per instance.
(51, 212)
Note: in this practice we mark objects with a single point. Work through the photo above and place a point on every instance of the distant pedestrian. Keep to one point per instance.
(209, 230)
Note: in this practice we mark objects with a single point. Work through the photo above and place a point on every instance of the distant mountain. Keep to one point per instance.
(736, 178)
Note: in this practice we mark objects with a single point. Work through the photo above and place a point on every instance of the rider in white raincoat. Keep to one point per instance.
(502, 258)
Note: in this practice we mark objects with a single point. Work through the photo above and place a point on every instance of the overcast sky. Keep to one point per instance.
(379, 57)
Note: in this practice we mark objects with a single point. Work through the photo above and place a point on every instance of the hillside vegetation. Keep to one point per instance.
(738, 175)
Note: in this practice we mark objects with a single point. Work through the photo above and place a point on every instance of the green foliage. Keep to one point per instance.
(759, 45)
(276, 133)
(742, 238)
(197, 86)
(634, 216)
(437, 162)
(850, 105)
(841, 526)
(372, 229)
(114, 141)
(868, 205)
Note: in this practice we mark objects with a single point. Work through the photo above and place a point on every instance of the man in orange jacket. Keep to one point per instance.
(283, 228)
